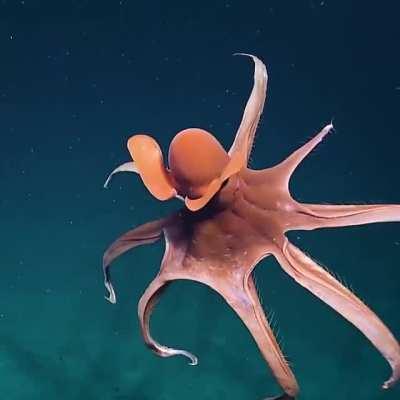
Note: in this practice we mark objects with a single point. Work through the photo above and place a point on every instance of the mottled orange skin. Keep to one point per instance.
(244, 221)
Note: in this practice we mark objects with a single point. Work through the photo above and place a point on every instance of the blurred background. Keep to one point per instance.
(77, 78)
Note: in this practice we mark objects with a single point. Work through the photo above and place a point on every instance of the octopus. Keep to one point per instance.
(233, 217)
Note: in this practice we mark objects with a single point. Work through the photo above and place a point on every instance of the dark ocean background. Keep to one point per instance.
(77, 78)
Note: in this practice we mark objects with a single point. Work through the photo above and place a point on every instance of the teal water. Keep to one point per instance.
(77, 79)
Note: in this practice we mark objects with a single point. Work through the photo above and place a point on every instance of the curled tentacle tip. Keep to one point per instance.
(193, 359)
(392, 380)
(173, 352)
(109, 177)
(112, 298)
(129, 166)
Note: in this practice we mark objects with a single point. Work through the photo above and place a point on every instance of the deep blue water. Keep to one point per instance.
(77, 78)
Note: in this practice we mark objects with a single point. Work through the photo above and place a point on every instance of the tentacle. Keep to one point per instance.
(145, 308)
(125, 167)
(231, 278)
(241, 295)
(327, 216)
(244, 138)
(319, 282)
(263, 334)
(286, 168)
(143, 234)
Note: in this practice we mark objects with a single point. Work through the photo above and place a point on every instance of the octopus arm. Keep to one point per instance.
(245, 302)
(284, 170)
(234, 284)
(245, 134)
(237, 288)
(129, 166)
(318, 281)
(143, 234)
(145, 308)
(330, 215)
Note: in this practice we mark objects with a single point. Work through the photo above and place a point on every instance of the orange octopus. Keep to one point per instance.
(234, 217)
